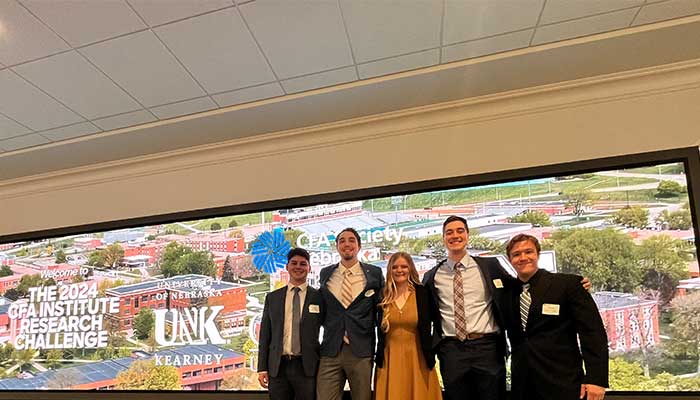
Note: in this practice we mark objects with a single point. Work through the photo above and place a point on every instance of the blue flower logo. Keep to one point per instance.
(270, 251)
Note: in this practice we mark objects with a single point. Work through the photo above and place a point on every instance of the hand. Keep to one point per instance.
(263, 378)
(593, 392)
(586, 283)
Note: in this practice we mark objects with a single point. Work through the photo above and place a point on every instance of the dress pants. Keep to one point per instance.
(334, 371)
(472, 369)
(291, 383)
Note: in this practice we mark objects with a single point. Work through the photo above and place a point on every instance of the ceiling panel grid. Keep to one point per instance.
(79, 68)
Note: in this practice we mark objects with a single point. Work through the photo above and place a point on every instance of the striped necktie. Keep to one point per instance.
(346, 291)
(525, 301)
(460, 317)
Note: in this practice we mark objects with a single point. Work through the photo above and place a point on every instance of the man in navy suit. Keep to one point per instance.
(289, 348)
(547, 316)
(351, 291)
(468, 334)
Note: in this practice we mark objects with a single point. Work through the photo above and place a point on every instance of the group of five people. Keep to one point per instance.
(460, 313)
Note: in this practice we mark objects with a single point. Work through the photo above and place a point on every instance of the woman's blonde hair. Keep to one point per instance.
(389, 293)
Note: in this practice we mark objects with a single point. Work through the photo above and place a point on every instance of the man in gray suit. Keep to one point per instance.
(289, 348)
(351, 291)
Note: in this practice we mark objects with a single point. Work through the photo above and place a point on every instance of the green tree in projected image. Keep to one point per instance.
(615, 263)
(144, 323)
(685, 327)
(629, 376)
(632, 217)
(146, 375)
(608, 257)
(178, 259)
(533, 217)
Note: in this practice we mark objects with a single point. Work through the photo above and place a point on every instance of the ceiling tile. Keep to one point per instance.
(29, 106)
(584, 26)
(141, 65)
(24, 37)
(475, 19)
(249, 94)
(184, 108)
(21, 142)
(398, 64)
(320, 80)
(84, 22)
(70, 132)
(160, 12)
(667, 10)
(560, 10)
(124, 120)
(299, 37)
(218, 50)
(492, 45)
(10, 128)
(75, 82)
(381, 29)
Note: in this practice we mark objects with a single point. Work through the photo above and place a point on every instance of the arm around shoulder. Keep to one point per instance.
(591, 332)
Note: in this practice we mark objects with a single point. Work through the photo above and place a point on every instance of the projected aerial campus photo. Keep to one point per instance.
(178, 305)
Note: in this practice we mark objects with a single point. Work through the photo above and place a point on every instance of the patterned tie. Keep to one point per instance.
(346, 290)
(460, 318)
(525, 301)
(346, 296)
(296, 315)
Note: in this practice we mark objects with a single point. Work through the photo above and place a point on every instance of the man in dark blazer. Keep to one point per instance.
(351, 291)
(546, 318)
(468, 333)
(289, 347)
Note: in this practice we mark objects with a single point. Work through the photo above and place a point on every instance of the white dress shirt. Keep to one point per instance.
(288, 300)
(477, 299)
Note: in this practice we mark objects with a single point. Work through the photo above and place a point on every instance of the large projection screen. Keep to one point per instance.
(173, 302)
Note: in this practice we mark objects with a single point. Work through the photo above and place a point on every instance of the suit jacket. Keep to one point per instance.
(272, 331)
(546, 357)
(358, 320)
(424, 331)
(494, 275)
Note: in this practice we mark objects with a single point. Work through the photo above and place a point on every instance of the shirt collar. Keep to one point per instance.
(354, 270)
(303, 287)
(533, 279)
(467, 261)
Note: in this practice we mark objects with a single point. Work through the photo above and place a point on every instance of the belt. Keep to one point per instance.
(290, 357)
(475, 336)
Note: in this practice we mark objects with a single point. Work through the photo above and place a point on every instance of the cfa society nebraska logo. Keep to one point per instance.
(270, 251)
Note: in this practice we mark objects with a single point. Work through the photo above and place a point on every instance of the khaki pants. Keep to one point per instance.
(334, 371)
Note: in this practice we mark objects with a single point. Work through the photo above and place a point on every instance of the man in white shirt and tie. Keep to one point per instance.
(289, 347)
(468, 333)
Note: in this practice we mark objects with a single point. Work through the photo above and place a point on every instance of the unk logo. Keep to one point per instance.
(270, 251)
(189, 326)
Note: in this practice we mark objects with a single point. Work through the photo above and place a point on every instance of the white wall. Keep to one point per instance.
(627, 113)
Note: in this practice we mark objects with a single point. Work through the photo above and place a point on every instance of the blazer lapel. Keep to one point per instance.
(305, 307)
(280, 304)
(538, 294)
(484, 275)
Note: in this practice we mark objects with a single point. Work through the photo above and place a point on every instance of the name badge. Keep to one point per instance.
(369, 293)
(550, 309)
(497, 283)
(314, 309)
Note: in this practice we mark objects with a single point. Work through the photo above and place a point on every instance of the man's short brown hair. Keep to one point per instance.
(522, 237)
(453, 218)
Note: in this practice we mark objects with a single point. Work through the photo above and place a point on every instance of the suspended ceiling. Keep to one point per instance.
(83, 82)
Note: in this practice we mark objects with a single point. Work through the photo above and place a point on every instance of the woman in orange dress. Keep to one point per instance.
(405, 360)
